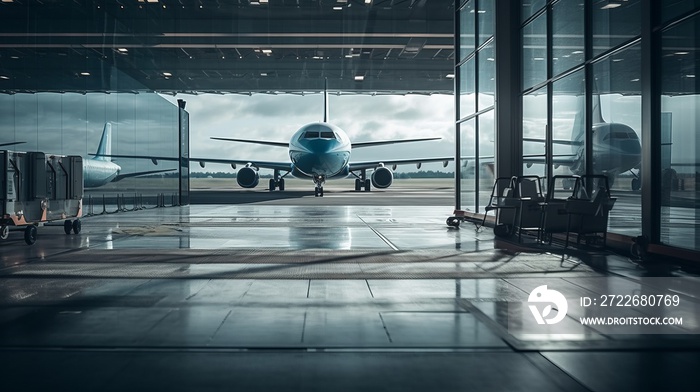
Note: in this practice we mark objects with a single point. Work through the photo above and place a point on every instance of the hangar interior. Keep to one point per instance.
(352, 294)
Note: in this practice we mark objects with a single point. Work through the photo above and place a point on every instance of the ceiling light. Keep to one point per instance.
(690, 76)
(539, 59)
(8, 1)
(617, 60)
(681, 53)
(267, 51)
(450, 76)
(167, 74)
(122, 50)
(368, 1)
(85, 74)
(3, 76)
(348, 56)
(151, 1)
(577, 52)
(610, 6)
(359, 78)
(491, 59)
(263, 1)
(634, 80)
(263, 73)
(337, 8)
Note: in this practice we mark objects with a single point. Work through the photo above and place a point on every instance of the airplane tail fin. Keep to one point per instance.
(326, 112)
(104, 150)
(597, 113)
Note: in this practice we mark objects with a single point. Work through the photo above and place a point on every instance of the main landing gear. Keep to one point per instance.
(277, 182)
(362, 181)
(319, 181)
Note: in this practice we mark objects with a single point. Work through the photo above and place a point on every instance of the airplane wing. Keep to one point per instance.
(11, 143)
(556, 141)
(382, 142)
(265, 142)
(143, 173)
(559, 160)
(284, 166)
(394, 162)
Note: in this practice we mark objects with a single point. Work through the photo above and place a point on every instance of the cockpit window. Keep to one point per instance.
(311, 135)
(327, 135)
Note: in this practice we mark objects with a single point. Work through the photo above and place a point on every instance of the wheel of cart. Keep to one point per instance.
(4, 232)
(453, 221)
(30, 234)
(77, 226)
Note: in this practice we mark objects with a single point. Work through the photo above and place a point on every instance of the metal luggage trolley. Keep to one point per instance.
(588, 209)
(501, 195)
(555, 218)
(529, 205)
(516, 202)
(37, 188)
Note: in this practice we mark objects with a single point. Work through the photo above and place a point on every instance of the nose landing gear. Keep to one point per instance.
(319, 181)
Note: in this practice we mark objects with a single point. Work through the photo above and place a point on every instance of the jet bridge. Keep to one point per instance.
(38, 188)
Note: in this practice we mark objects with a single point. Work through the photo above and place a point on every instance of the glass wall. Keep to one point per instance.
(680, 129)
(582, 85)
(476, 71)
(73, 124)
(617, 133)
(535, 116)
(560, 107)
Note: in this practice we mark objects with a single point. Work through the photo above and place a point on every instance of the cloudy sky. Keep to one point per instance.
(277, 117)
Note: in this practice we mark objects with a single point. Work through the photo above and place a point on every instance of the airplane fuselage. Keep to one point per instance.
(616, 149)
(98, 172)
(319, 149)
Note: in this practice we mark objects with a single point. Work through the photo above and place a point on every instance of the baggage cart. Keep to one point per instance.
(36, 188)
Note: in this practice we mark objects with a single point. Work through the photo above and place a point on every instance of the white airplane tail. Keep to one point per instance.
(105, 147)
(326, 112)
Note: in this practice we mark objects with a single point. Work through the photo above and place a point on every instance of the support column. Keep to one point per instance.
(508, 103)
(651, 122)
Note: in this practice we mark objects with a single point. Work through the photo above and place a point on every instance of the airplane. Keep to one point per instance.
(616, 149)
(100, 170)
(318, 151)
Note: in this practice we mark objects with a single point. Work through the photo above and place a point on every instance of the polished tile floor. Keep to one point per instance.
(265, 297)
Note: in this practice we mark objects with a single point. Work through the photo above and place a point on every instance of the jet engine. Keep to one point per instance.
(248, 177)
(382, 177)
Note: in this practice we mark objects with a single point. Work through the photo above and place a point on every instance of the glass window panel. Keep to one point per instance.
(486, 19)
(530, 7)
(487, 76)
(615, 22)
(671, 9)
(467, 29)
(567, 41)
(487, 141)
(680, 139)
(569, 124)
(534, 132)
(467, 131)
(467, 88)
(534, 53)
